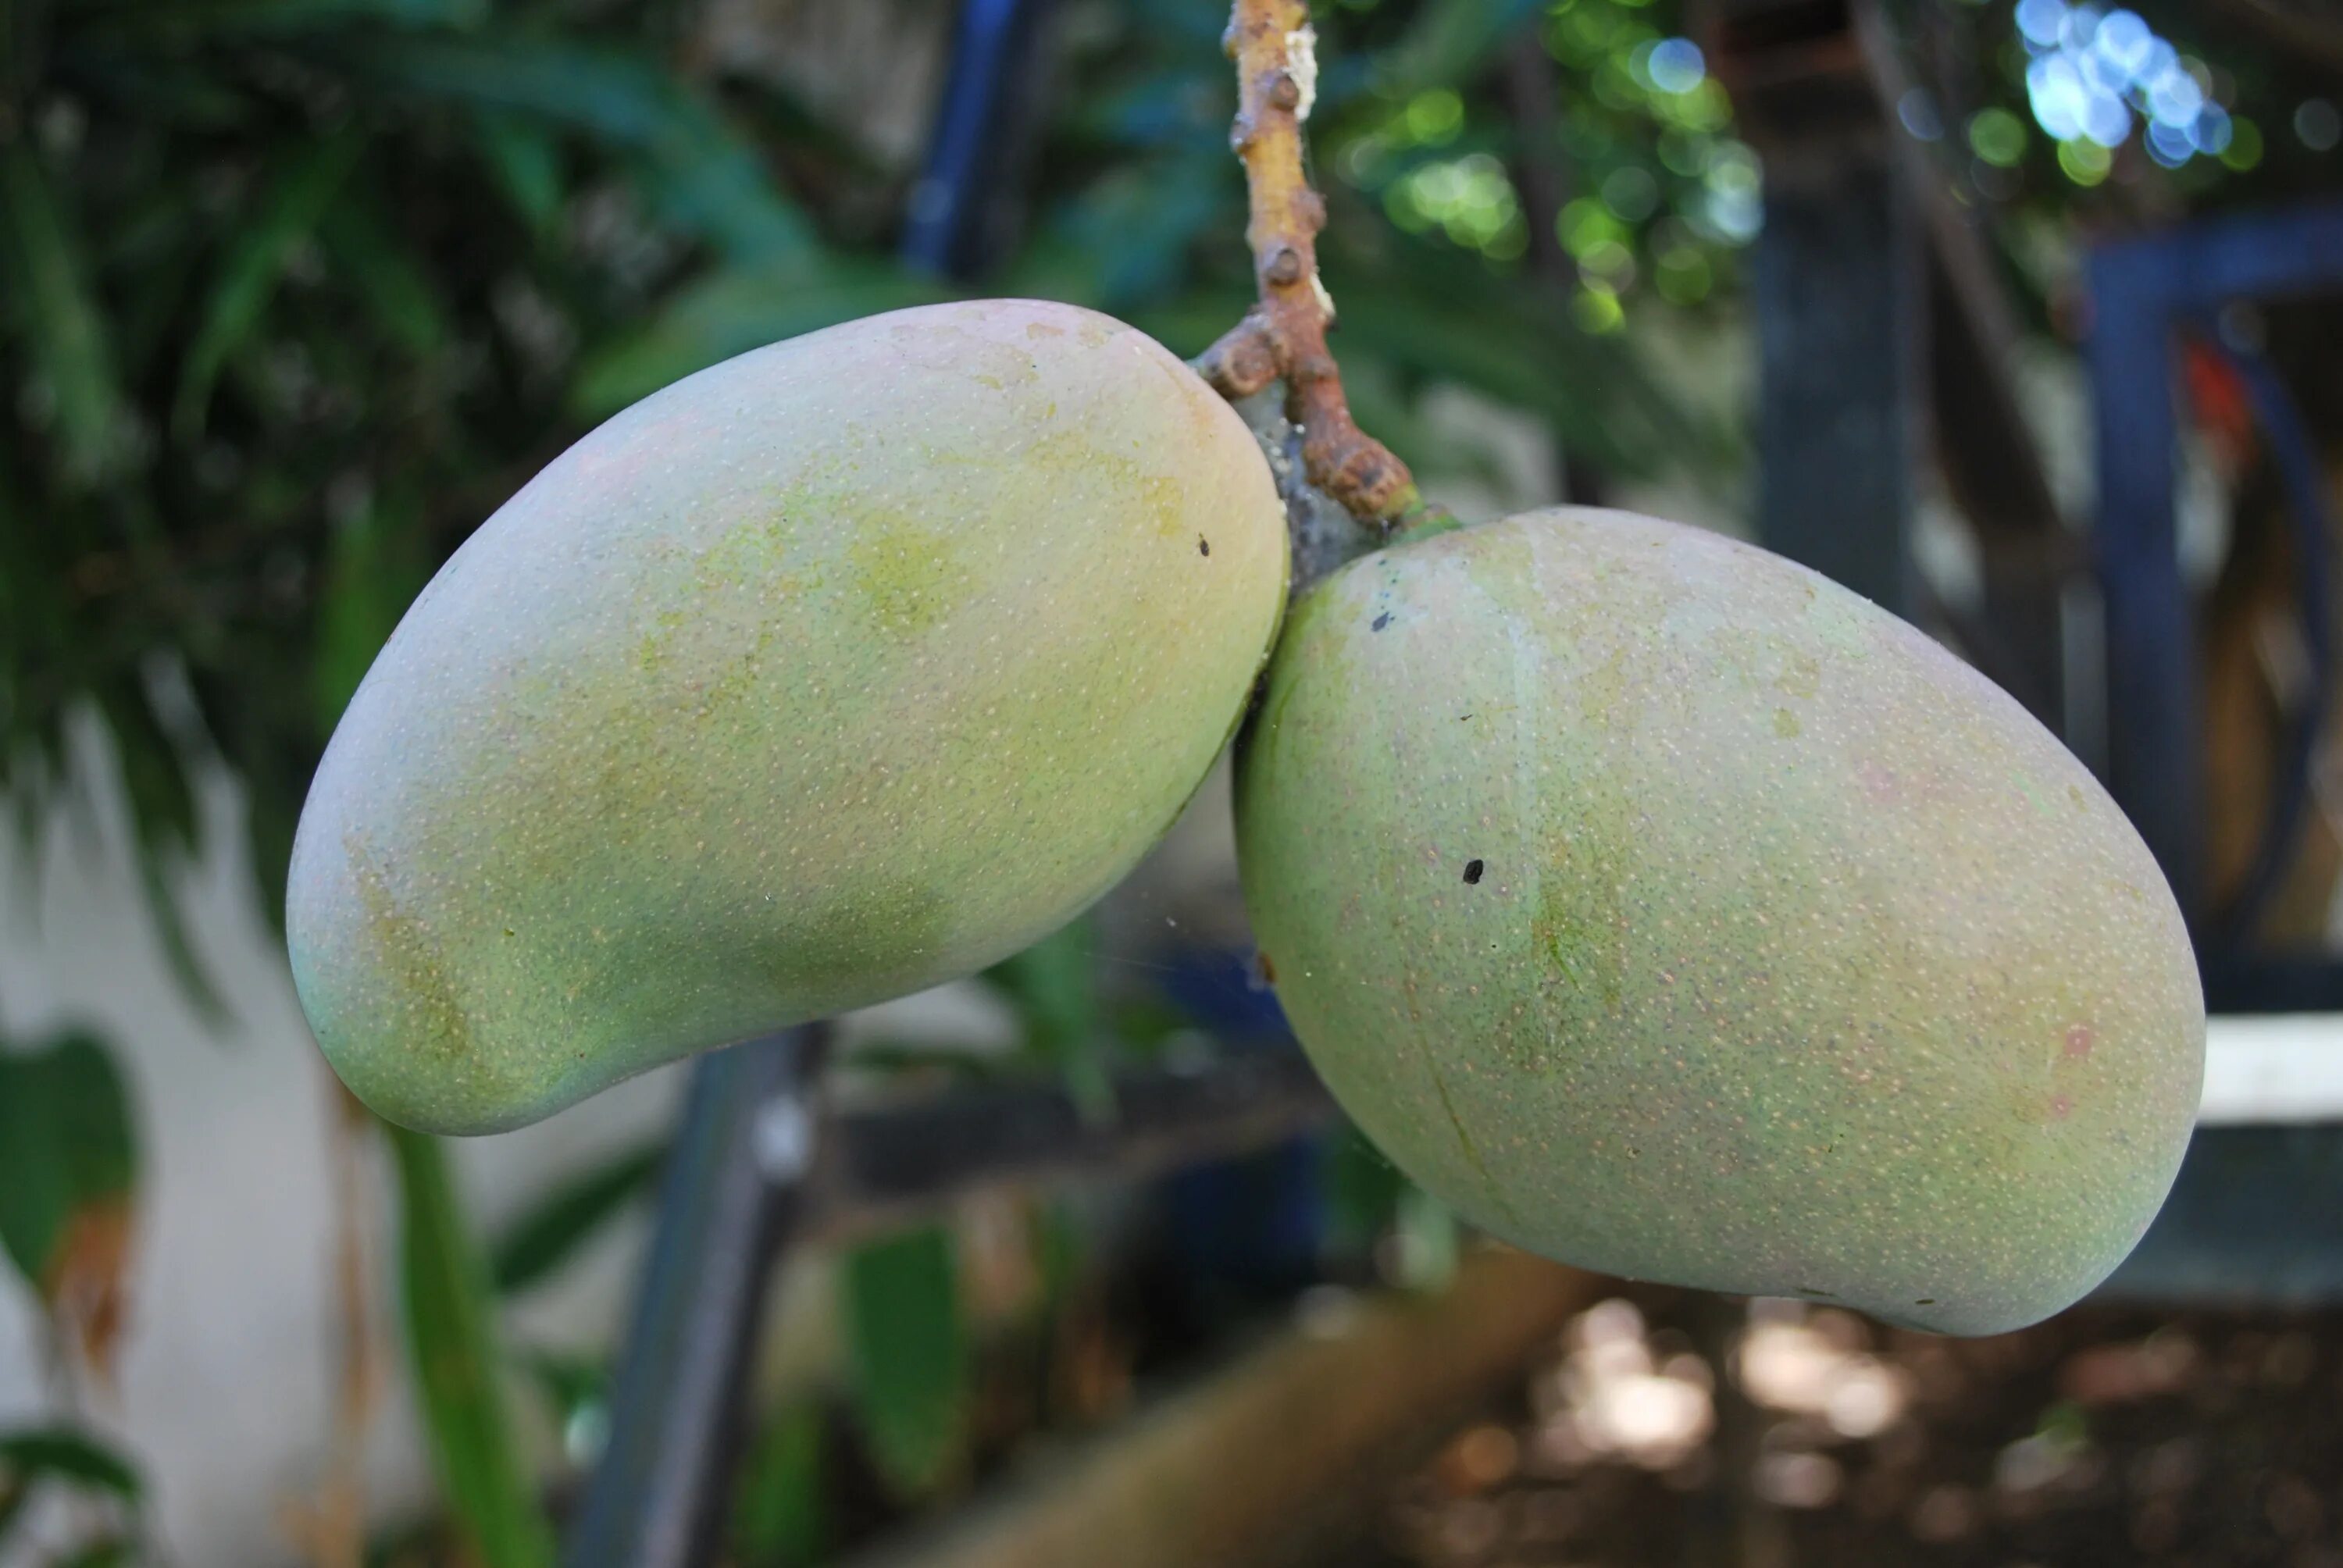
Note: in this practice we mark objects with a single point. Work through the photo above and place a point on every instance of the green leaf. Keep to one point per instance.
(780, 1520)
(67, 1150)
(1054, 987)
(444, 1290)
(76, 1459)
(537, 1244)
(1447, 41)
(61, 316)
(21, 26)
(1134, 233)
(1449, 324)
(374, 566)
(526, 161)
(161, 87)
(66, 1455)
(908, 1352)
(1363, 1190)
(571, 1384)
(183, 18)
(733, 312)
(1191, 322)
(109, 1554)
(386, 273)
(297, 199)
(1061, 1248)
(147, 249)
(708, 179)
(578, 1388)
(164, 828)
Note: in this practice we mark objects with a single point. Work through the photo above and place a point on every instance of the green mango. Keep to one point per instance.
(1668, 910)
(832, 672)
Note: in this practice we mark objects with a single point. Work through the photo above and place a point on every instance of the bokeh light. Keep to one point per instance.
(2317, 125)
(1998, 137)
(2092, 75)
(1471, 199)
(2245, 148)
(1674, 66)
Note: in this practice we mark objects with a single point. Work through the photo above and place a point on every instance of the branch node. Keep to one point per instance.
(1242, 362)
(1286, 334)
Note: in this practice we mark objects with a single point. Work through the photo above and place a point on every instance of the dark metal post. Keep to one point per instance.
(2153, 766)
(1983, 445)
(735, 1190)
(1840, 295)
(965, 210)
(1839, 312)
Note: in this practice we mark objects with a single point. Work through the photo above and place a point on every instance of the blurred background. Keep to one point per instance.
(2026, 323)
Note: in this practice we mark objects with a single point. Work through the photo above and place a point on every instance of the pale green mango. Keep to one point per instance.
(1668, 910)
(835, 671)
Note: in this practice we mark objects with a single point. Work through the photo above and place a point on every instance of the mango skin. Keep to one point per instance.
(1667, 910)
(837, 670)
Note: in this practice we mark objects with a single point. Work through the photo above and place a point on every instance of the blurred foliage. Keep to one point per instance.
(68, 1174)
(35, 1459)
(67, 1152)
(782, 1518)
(1053, 987)
(295, 292)
(537, 1245)
(457, 1369)
(1363, 1190)
(907, 1350)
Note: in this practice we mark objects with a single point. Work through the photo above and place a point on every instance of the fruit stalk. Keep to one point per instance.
(1285, 335)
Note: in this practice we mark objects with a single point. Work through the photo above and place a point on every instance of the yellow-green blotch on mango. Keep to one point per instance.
(835, 671)
(1668, 910)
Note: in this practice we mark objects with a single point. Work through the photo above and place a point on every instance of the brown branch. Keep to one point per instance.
(1284, 336)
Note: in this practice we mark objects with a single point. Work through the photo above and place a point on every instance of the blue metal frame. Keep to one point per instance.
(2254, 1214)
(2143, 292)
(2312, 527)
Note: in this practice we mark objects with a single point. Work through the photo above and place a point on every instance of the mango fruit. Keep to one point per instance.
(837, 670)
(1667, 910)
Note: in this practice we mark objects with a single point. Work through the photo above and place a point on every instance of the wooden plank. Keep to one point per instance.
(1240, 1470)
